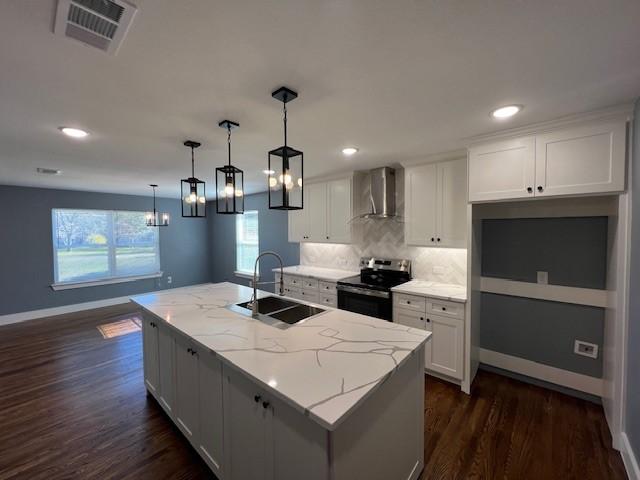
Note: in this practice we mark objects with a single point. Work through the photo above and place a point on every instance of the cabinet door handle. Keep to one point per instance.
(408, 302)
(433, 239)
(529, 189)
(428, 320)
(265, 404)
(327, 237)
(189, 350)
(257, 398)
(422, 318)
(540, 188)
(444, 309)
(438, 239)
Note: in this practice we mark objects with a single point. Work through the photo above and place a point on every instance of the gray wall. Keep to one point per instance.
(26, 254)
(541, 331)
(572, 250)
(273, 232)
(574, 253)
(632, 416)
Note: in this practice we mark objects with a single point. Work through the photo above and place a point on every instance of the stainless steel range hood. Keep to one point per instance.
(380, 186)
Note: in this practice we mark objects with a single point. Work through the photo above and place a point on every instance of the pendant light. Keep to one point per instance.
(194, 201)
(229, 180)
(285, 166)
(155, 219)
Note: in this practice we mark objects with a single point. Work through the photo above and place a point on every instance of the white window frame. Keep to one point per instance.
(102, 280)
(246, 273)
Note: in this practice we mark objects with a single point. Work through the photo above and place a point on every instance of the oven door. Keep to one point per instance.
(373, 303)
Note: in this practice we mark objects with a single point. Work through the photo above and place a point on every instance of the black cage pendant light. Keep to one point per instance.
(156, 219)
(285, 166)
(229, 180)
(194, 200)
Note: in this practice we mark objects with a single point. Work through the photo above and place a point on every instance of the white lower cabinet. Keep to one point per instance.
(158, 346)
(444, 353)
(187, 388)
(210, 404)
(150, 352)
(310, 289)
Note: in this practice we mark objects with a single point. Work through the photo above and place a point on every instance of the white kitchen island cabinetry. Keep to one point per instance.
(263, 403)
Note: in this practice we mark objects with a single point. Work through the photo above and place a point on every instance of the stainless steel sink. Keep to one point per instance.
(277, 312)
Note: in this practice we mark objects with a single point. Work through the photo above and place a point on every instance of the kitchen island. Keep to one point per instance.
(336, 396)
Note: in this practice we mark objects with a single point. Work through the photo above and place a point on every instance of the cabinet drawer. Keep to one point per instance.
(409, 318)
(328, 300)
(411, 302)
(327, 288)
(292, 291)
(309, 283)
(293, 281)
(446, 309)
(309, 295)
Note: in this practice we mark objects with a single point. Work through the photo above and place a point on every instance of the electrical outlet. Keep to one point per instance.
(169, 280)
(585, 348)
(543, 278)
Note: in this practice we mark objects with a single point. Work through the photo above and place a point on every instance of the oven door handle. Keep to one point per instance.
(363, 291)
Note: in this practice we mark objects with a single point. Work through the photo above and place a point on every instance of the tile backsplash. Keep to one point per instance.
(385, 238)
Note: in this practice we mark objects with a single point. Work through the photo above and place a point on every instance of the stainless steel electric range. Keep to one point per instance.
(370, 292)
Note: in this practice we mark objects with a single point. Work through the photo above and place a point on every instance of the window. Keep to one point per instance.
(100, 246)
(247, 247)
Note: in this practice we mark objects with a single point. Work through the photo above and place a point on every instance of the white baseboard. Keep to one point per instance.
(558, 376)
(50, 312)
(629, 458)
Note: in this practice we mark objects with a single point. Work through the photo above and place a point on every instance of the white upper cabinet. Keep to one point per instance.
(420, 209)
(326, 213)
(451, 215)
(502, 170)
(582, 160)
(316, 207)
(339, 210)
(436, 212)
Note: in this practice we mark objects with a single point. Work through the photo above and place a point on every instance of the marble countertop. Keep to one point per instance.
(324, 366)
(319, 273)
(443, 291)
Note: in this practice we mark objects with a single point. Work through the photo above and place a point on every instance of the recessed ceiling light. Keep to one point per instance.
(506, 111)
(74, 132)
(49, 171)
(348, 151)
(268, 172)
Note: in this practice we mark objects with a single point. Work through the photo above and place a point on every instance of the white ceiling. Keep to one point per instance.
(399, 79)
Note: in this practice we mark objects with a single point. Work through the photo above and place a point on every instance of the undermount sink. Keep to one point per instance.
(277, 312)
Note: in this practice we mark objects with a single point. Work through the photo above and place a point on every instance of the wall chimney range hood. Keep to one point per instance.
(380, 190)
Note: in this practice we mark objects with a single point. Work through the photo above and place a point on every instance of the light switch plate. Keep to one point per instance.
(438, 270)
(543, 278)
(169, 279)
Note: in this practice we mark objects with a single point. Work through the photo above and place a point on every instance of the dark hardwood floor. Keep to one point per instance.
(73, 405)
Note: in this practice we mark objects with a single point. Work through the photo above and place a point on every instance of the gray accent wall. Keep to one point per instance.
(272, 234)
(574, 253)
(572, 250)
(541, 331)
(26, 253)
(632, 414)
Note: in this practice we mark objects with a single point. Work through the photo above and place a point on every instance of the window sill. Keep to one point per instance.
(104, 281)
(247, 275)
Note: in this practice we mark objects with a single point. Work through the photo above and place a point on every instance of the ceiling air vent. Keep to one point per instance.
(100, 23)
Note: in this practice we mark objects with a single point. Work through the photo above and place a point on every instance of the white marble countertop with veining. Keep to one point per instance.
(324, 366)
(443, 291)
(319, 273)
